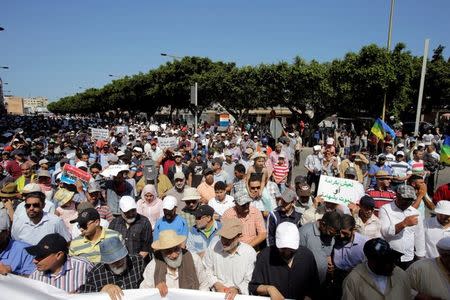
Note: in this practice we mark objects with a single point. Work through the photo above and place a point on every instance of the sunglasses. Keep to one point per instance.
(34, 205)
(84, 226)
(255, 187)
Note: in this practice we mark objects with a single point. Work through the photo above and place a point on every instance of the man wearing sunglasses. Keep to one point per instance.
(92, 235)
(37, 223)
(55, 267)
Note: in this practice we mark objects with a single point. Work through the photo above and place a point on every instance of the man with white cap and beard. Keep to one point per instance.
(173, 266)
(437, 227)
(135, 229)
(277, 265)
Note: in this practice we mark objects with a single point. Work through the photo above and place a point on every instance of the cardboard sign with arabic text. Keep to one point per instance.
(71, 174)
(339, 190)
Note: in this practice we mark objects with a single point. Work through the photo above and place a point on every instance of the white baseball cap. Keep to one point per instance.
(169, 202)
(127, 203)
(287, 236)
(317, 148)
(81, 163)
(443, 208)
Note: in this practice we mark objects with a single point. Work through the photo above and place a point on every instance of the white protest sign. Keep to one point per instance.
(99, 133)
(339, 190)
(113, 170)
(122, 129)
(167, 142)
(16, 287)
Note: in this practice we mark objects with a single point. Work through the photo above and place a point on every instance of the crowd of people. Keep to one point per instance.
(219, 211)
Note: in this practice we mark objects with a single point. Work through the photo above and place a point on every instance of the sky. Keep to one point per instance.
(57, 48)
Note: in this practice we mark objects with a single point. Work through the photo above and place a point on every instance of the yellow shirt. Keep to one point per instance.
(81, 246)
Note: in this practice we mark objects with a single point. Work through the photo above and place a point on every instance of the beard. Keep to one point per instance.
(174, 263)
(231, 246)
(118, 270)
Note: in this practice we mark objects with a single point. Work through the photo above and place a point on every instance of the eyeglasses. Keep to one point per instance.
(34, 205)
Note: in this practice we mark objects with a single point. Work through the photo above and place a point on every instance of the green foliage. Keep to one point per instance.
(353, 85)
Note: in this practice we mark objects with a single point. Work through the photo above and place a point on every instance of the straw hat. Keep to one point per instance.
(168, 239)
(9, 190)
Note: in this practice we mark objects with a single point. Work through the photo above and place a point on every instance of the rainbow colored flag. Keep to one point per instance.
(445, 150)
(381, 129)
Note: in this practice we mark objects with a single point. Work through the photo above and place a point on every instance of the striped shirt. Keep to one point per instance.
(81, 246)
(73, 274)
(400, 169)
(280, 172)
(381, 197)
(253, 223)
(417, 167)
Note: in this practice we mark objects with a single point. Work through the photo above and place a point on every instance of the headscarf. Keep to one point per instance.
(152, 210)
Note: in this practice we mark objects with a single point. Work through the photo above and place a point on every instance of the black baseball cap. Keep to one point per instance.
(89, 214)
(49, 244)
(300, 179)
(379, 249)
(203, 210)
(367, 201)
(208, 171)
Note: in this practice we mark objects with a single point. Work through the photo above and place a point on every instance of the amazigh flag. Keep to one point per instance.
(380, 129)
(445, 150)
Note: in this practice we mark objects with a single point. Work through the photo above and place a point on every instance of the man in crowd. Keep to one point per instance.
(55, 267)
(253, 232)
(429, 277)
(171, 220)
(37, 223)
(13, 256)
(221, 202)
(366, 222)
(92, 236)
(303, 191)
(196, 169)
(380, 165)
(28, 176)
(95, 197)
(135, 229)
(285, 212)
(381, 193)
(263, 197)
(402, 228)
(191, 201)
(277, 266)
(229, 263)
(174, 267)
(319, 238)
(401, 170)
(347, 253)
(204, 232)
(206, 188)
(116, 188)
(178, 189)
(220, 174)
(313, 165)
(350, 162)
(117, 270)
(437, 227)
(379, 277)
(178, 167)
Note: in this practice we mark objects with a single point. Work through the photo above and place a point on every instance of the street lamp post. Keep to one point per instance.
(391, 14)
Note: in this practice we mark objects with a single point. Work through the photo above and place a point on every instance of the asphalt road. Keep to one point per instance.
(442, 178)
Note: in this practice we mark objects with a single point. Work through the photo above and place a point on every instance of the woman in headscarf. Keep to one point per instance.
(150, 205)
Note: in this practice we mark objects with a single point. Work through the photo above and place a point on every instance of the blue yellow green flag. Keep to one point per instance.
(445, 150)
(380, 129)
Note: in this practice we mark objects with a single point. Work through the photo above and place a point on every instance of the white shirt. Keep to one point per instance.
(221, 207)
(406, 240)
(433, 233)
(172, 279)
(230, 269)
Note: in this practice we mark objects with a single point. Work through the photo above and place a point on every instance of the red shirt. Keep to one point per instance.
(442, 193)
(381, 197)
(13, 169)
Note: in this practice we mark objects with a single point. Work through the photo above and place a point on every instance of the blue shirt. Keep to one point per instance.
(179, 225)
(346, 257)
(23, 229)
(197, 240)
(374, 168)
(16, 257)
